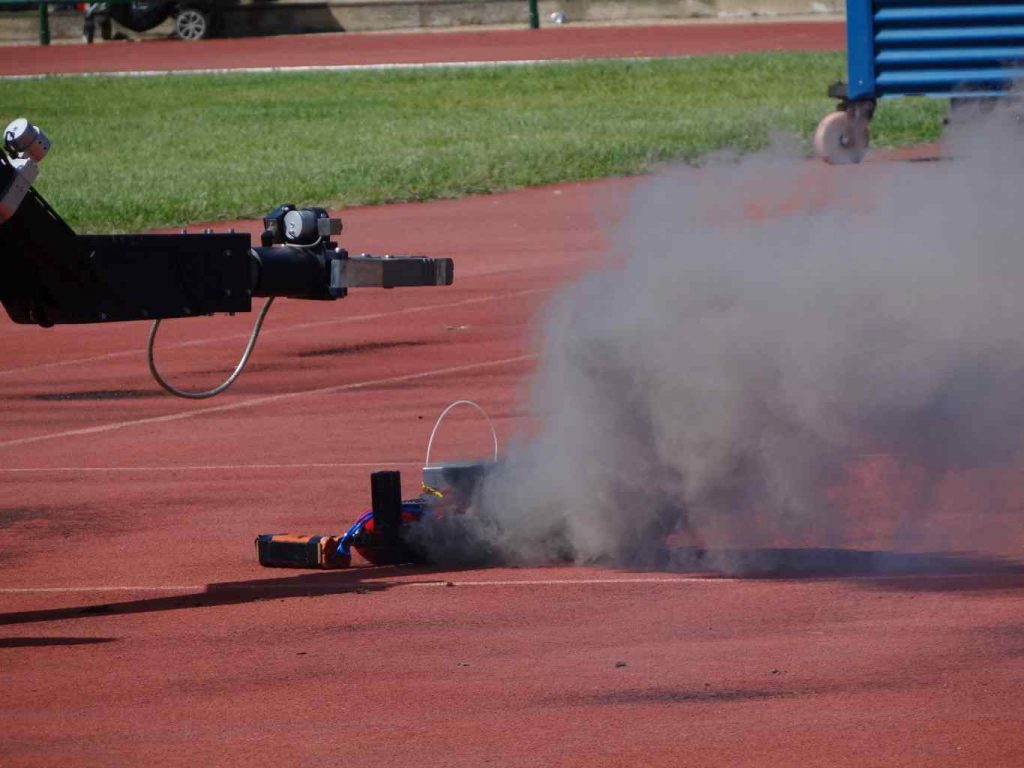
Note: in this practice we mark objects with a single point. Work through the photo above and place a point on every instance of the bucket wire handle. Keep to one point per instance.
(433, 432)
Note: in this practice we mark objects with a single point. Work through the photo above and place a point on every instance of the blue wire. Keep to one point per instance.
(415, 507)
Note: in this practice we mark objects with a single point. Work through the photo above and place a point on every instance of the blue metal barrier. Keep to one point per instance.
(944, 48)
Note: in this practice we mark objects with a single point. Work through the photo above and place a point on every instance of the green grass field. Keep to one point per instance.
(131, 154)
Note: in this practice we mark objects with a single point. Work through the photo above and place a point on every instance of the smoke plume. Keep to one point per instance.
(778, 354)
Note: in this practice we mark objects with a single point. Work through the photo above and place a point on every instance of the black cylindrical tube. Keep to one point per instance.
(292, 271)
(386, 501)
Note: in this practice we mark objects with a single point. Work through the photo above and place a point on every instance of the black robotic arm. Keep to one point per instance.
(50, 275)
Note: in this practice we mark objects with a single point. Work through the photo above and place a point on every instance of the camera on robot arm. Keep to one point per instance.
(51, 275)
(311, 266)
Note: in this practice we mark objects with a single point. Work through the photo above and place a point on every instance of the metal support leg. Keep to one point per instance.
(44, 24)
(859, 114)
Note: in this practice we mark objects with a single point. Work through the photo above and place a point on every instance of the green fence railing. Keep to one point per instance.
(44, 13)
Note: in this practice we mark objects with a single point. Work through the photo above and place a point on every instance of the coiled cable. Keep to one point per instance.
(207, 393)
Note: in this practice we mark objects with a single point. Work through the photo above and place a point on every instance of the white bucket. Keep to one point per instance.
(457, 478)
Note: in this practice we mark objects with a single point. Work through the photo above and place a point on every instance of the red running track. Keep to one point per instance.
(137, 629)
(417, 48)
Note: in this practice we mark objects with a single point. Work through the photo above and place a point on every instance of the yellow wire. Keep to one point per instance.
(431, 490)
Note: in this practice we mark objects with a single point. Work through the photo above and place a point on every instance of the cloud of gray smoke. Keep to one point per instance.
(766, 324)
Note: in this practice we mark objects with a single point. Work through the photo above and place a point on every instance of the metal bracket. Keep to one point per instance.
(860, 113)
(837, 91)
(365, 271)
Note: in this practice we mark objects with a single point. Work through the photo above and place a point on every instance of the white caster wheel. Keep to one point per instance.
(837, 142)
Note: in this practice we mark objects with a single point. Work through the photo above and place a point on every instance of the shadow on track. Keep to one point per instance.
(912, 571)
(353, 580)
(917, 572)
(41, 642)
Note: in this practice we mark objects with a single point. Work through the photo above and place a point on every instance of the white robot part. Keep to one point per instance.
(27, 145)
(26, 140)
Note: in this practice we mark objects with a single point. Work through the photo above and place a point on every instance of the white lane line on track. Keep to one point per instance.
(190, 588)
(386, 67)
(364, 584)
(214, 467)
(238, 404)
(569, 582)
(199, 590)
(272, 331)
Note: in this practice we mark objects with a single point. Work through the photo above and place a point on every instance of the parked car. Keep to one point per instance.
(193, 19)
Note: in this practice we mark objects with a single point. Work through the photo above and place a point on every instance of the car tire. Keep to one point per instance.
(192, 24)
